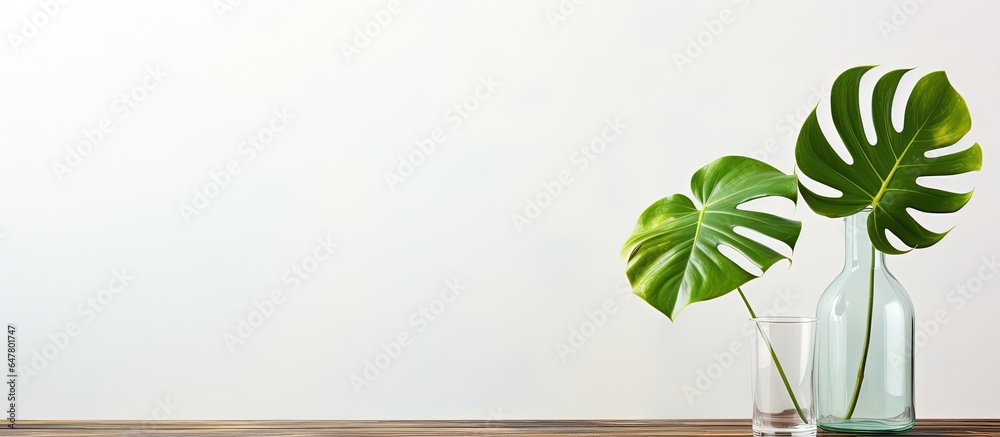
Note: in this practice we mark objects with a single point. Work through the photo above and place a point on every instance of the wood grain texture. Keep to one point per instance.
(690, 428)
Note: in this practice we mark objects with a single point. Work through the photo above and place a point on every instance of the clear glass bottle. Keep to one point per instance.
(885, 400)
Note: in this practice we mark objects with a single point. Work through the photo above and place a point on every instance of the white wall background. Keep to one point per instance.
(492, 352)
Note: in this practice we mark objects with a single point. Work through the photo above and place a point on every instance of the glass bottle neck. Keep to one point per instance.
(858, 245)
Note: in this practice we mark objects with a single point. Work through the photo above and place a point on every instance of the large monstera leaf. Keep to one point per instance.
(673, 254)
(883, 176)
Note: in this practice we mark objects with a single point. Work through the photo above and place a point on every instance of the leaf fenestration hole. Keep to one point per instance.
(903, 92)
(933, 222)
(952, 183)
(818, 188)
(825, 119)
(769, 205)
(740, 259)
(771, 243)
(894, 241)
(865, 91)
(959, 146)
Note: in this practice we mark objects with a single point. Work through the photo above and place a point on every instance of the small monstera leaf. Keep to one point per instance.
(673, 254)
(884, 175)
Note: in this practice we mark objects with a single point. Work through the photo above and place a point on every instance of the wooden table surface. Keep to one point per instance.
(929, 427)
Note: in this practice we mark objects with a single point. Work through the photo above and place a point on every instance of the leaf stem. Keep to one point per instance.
(868, 336)
(777, 364)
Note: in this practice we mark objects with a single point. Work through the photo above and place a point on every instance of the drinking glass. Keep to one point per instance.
(782, 378)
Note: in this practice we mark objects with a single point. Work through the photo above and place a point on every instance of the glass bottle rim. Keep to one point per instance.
(866, 210)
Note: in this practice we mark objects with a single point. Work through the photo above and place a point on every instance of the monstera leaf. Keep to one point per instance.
(883, 176)
(673, 254)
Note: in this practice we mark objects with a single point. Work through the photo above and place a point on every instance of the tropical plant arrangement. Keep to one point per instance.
(673, 254)
(882, 179)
